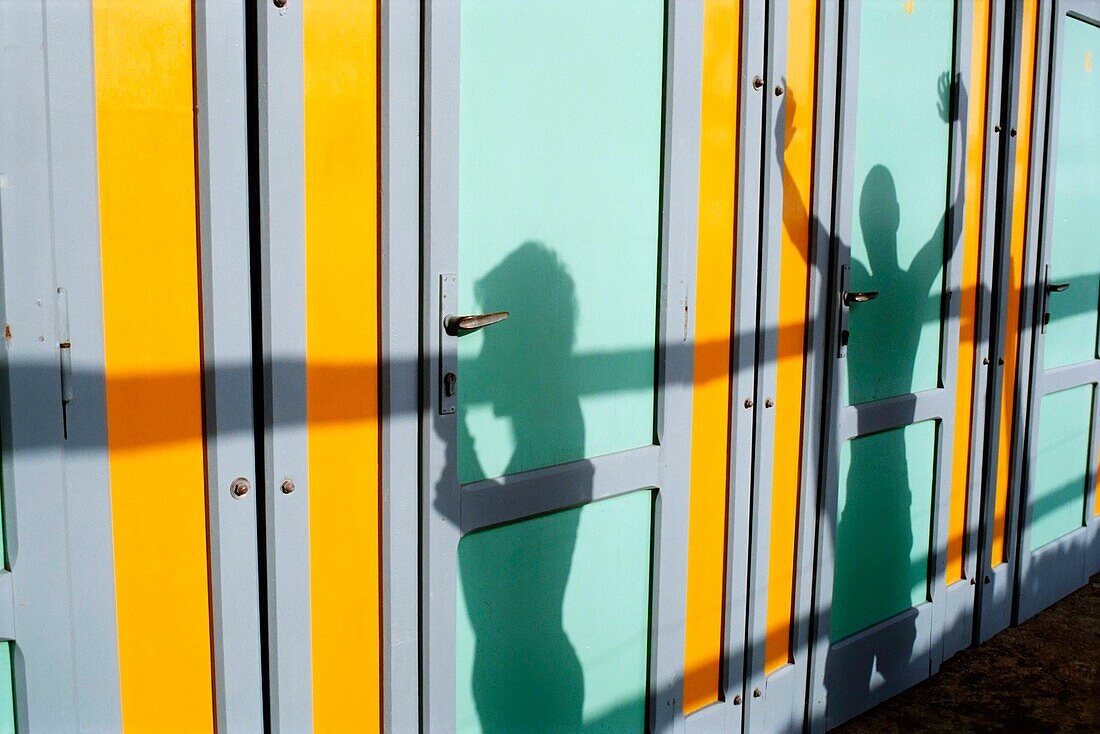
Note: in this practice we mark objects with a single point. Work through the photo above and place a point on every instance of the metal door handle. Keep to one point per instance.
(1057, 287)
(455, 325)
(851, 297)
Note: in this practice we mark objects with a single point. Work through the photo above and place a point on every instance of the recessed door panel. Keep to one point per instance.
(1062, 467)
(559, 186)
(1074, 254)
(901, 165)
(884, 526)
(553, 617)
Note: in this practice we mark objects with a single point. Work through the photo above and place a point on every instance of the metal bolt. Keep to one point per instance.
(996, 128)
(757, 83)
(985, 360)
(279, 3)
(757, 693)
(1000, 360)
(987, 579)
(1012, 132)
(769, 403)
(736, 700)
(239, 487)
(779, 91)
(748, 403)
(287, 486)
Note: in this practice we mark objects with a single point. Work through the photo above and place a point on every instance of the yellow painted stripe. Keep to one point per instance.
(710, 401)
(1015, 275)
(151, 313)
(794, 274)
(341, 186)
(972, 218)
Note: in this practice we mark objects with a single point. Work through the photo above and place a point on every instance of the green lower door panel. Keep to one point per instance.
(1061, 465)
(7, 691)
(1075, 231)
(553, 621)
(884, 527)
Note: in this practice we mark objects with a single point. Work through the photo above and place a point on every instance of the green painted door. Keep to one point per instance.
(1062, 437)
(894, 399)
(558, 161)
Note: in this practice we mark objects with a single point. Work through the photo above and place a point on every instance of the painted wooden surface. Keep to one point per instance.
(151, 321)
(711, 383)
(559, 184)
(553, 621)
(1061, 465)
(901, 161)
(884, 526)
(1014, 293)
(342, 348)
(793, 296)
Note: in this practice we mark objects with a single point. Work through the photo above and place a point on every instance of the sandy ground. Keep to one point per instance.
(1039, 677)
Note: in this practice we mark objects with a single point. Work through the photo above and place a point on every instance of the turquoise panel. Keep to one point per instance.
(553, 621)
(1061, 465)
(1075, 241)
(7, 691)
(901, 191)
(559, 202)
(884, 530)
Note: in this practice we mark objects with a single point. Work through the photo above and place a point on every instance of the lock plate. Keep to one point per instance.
(448, 345)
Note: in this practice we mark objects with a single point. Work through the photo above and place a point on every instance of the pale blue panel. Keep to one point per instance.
(901, 192)
(1061, 465)
(553, 621)
(1075, 243)
(884, 530)
(559, 199)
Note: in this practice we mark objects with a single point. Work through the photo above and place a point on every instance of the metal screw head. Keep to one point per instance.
(757, 693)
(1000, 360)
(757, 82)
(768, 403)
(239, 487)
(1012, 132)
(748, 403)
(279, 3)
(779, 91)
(985, 360)
(996, 128)
(737, 700)
(287, 486)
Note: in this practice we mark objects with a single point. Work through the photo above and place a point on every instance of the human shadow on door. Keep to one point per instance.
(887, 486)
(526, 673)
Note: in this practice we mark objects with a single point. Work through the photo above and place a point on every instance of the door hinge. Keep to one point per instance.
(66, 357)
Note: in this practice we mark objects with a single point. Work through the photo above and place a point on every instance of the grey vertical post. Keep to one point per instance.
(399, 38)
(222, 143)
(70, 88)
(37, 590)
(282, 264)
(679, 238)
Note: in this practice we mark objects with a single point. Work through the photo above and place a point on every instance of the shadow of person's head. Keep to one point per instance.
(879, 218)
(532, 348)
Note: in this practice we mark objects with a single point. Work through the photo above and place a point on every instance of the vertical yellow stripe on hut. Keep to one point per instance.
(1015, 275)
(151, 321)
(711, 390)
(342, 346)
(971, 277)
(794, 274)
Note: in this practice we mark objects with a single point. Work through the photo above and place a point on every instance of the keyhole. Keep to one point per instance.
(449, 381)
